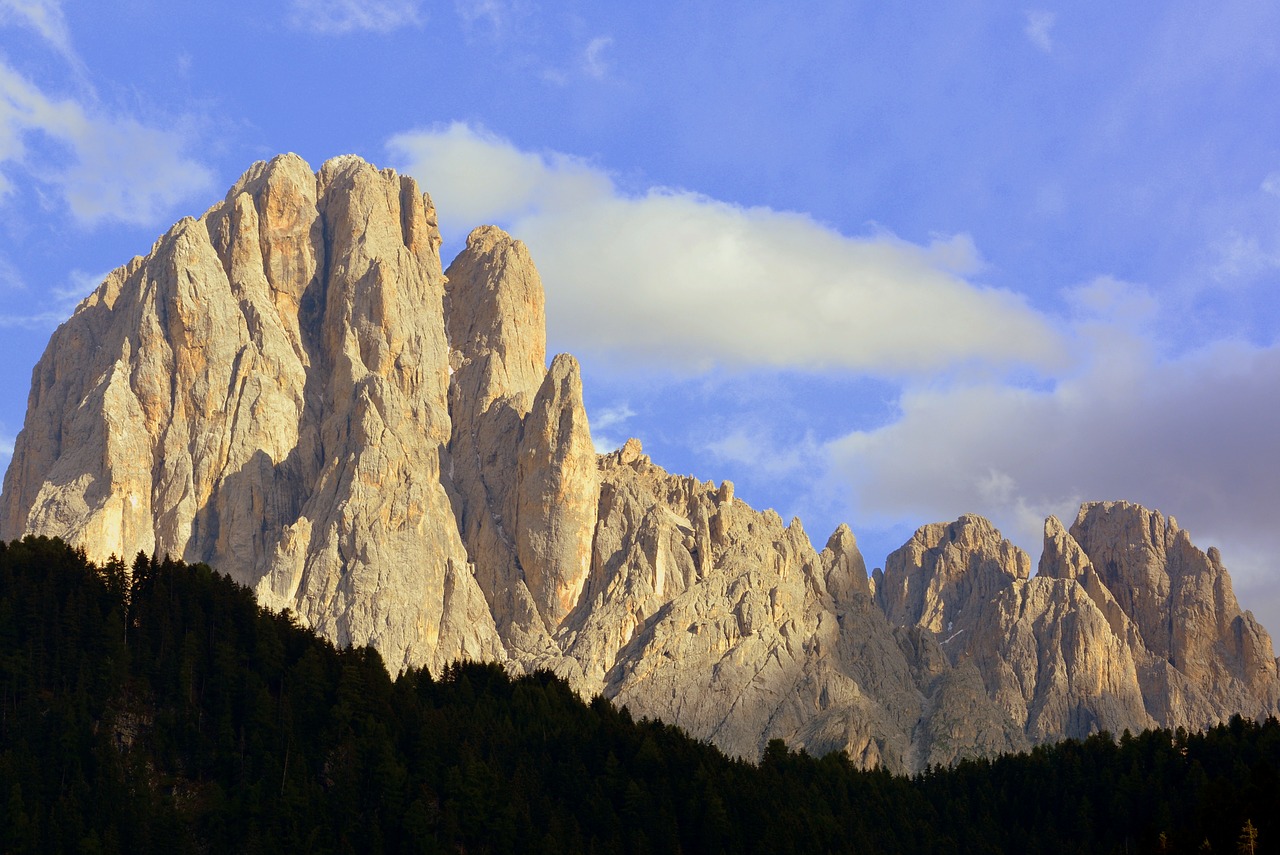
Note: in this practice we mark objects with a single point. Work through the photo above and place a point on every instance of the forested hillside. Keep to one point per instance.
(161, 710)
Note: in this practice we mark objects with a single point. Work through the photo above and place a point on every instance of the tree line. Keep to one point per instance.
(158, 708)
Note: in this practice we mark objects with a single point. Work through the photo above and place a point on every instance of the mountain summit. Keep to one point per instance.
(291, 389)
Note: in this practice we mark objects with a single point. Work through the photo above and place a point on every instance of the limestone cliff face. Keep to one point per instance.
(497, 331)
(291, 389)
(520, 448)
(1197, 652)
(558, 494)
(708, 614)
(946, 572)
(267, 391)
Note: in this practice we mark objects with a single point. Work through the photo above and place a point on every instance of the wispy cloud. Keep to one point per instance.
(604, 421)
(103, 165)
(10, 276)
(1271, 184)
(46, 320)
(61, 300)
(119, 169)
(45, 17)
(593, 60)
(698, 282)
(1242, 258)
(758, 450)
(498, 16)
(344, 16)
(1039, 25)
(612, 416)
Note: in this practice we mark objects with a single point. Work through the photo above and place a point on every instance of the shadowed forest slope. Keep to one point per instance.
(158, 708)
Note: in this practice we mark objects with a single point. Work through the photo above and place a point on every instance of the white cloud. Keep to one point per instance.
(682, 279)
(1242, 258)
(45, 18)
(1197, 437)
(1271, 184)
(500, 16)
(127, 171)
(1039, 23)
(1119, 303)
(345, 16)
(602, 424)
(612, 416)
(763, 454)
(593, 61)
(117, 168)
(475, 177)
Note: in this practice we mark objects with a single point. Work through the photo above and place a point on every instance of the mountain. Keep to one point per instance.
(293, 390)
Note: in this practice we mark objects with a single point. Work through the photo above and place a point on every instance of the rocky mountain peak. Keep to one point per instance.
(558, 494)
(845, 572)
(496, 317)
(292, 389)
(255, 384)
(945, 570)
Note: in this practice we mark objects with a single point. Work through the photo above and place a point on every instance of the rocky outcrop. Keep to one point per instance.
(291, 389)
(1197, 652)
(558, 494)
(267, 391)
(1126, 626)
(1051, 662)
(705, 613)
(1042, 650)
(946, 572)
(496, 324)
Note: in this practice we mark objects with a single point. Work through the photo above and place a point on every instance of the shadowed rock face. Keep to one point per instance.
(292, 390)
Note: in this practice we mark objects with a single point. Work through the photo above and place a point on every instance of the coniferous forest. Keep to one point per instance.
(156, 708)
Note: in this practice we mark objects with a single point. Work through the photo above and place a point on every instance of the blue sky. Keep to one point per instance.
(874, 263)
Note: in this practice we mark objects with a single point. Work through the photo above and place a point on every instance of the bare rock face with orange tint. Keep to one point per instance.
(1198, 654)
(558, 493)
(267, 391)
(1126, 626)
(494, 313)
(946, 572)
(716, 617)
(292, 390)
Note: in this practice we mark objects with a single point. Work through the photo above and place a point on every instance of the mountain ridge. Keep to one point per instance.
(293, 388)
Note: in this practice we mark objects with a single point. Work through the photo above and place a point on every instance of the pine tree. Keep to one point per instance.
(1248, 844)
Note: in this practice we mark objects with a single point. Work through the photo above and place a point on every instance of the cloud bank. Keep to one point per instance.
(678, 278)
(1196, 436)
